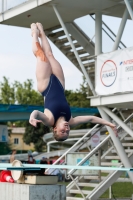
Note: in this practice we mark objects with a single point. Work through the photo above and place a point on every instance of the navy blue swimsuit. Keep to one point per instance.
(55, 99)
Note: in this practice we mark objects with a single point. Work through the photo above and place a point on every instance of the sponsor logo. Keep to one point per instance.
(130, 78)
(128, 68)
(126, 62)
(108, 73)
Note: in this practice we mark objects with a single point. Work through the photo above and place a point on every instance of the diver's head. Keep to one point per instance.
(61, 130)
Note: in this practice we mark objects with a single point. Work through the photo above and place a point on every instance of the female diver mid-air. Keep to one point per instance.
(51, 84)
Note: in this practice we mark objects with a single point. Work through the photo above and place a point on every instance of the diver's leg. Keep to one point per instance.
(43, 69)
(55, 65)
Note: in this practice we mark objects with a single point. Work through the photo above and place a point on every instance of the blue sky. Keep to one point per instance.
(18, 63)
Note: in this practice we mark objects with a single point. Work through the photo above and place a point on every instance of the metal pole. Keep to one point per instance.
(76, 183)
(98, 33)
(129, 8)
(48, 148)
(2, 9)
(74, 50)
(121, 114)
(98, 39)
(116, 141)
(110, 192)
(118, 120)
(110, 31)
(2, 6)
(118, 145)
(99, 160)
(120, 31)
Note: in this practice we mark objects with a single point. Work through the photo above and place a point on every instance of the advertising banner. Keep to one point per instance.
(114, 72)
(3, 133)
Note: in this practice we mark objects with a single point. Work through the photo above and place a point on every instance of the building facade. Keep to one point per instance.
(16, 140)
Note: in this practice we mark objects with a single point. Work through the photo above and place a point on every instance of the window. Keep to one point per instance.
(16, 140)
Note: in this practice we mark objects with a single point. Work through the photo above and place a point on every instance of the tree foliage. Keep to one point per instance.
(35, 135)
(4, 148)
(25, 94)
(78, 98)
(18, 93)
(7, 93)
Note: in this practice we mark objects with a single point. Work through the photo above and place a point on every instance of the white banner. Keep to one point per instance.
(114, 72)
(3, 133)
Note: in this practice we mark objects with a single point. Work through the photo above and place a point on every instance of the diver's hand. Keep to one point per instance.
(34, 122)
(114, 128)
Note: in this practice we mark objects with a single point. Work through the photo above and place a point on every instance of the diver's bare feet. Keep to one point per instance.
(40, 28)
(34, 29)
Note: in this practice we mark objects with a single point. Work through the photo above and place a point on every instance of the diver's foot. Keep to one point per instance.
(34, 29)
(40, 28)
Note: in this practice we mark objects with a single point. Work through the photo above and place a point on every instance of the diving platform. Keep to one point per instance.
(24, 13)
(119, 100)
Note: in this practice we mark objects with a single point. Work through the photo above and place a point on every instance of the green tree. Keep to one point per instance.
(25, 94)
(4, 148)
(35, 135)
(7, 94)
(18, 93)
(78, 98)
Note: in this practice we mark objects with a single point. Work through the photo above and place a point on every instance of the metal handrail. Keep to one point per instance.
(118, 128)
(108, 177)
(108, 33)
(88, 155)
(90, 137)
(98, 146)
(78, 188)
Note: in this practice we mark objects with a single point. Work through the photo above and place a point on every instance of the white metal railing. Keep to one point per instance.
(87, 135)
(9, 4)
(70, 173)
(92, 152)
(6, 5)
(98, 146)
(110, 33)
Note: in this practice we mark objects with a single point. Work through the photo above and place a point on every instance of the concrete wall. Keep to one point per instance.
(14, 191)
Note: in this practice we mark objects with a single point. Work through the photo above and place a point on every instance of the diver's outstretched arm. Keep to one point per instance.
(96, 120)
